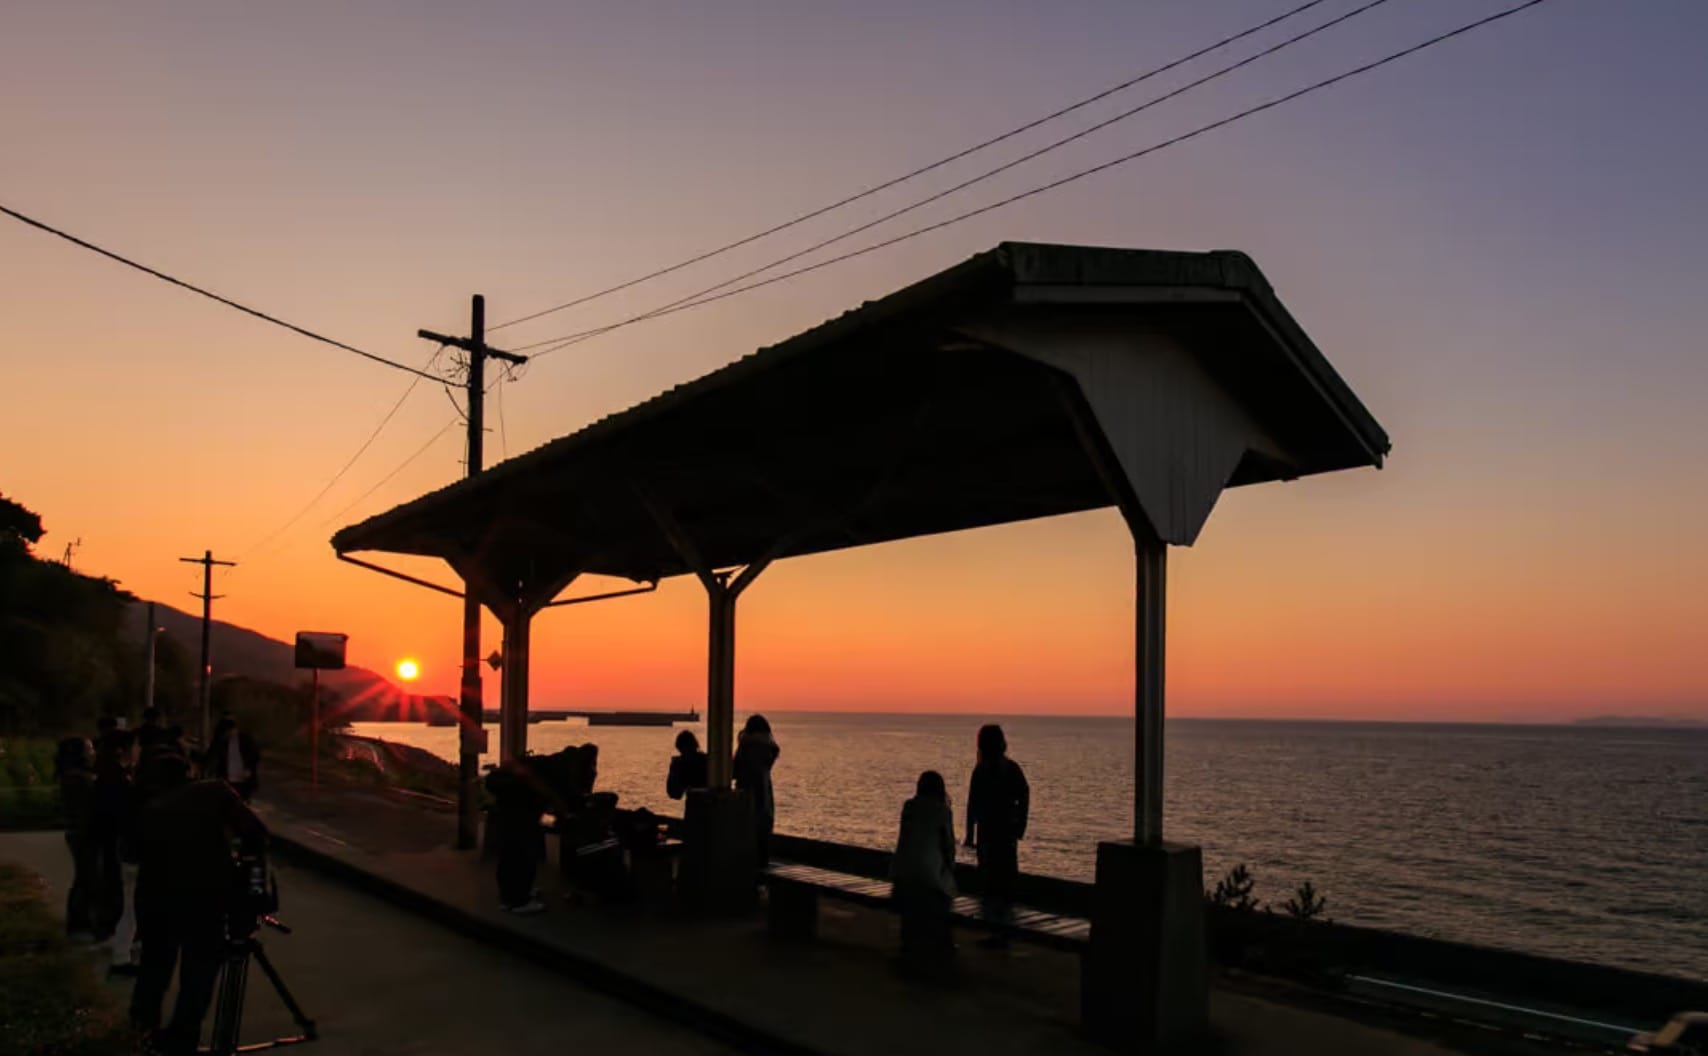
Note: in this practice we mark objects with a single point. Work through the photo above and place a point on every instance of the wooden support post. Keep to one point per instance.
(720, 685)
(721, 594)
(513, 705)
(1151, 622)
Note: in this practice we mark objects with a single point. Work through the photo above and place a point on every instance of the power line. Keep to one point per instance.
(462, 415)
(998, 170)
(336, 477)
(503, 431)
(575, 338)
(228, 302)
(387, 479)
(922, 170)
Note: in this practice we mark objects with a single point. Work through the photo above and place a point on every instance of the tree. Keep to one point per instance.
(62, 660)
(20, 527)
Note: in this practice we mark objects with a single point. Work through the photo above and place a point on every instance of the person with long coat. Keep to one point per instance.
(922, 875)
(998, 803)
(518, 805)
(74, 769)
(113, 830)
(755, 754)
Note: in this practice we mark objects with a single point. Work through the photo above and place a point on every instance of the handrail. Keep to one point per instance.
(651, 585)
(382, 570)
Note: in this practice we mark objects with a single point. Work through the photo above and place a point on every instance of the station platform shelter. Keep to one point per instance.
(1028, 381)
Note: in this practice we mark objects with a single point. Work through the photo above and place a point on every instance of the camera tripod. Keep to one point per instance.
(233, 981)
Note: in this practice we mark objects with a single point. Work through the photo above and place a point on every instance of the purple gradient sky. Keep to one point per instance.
(1498, 243)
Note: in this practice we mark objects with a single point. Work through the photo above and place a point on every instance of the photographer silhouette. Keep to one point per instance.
(185, 901)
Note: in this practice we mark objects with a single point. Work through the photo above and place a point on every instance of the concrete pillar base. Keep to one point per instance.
(1145, 983)
(719, 857)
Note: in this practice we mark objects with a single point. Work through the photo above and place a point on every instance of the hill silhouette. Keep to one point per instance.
(240, 652)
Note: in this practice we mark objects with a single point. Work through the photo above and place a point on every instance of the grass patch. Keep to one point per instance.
(26, 923)
(51, 1001)
(29, 797)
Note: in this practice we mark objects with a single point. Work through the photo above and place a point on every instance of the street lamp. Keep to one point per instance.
(153, 633)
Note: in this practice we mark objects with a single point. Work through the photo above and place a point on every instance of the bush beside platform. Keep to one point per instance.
(1321, 953)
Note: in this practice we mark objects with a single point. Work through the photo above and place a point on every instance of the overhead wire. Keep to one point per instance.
(566, 340)
(920, 171)
(193, 288)
(387, 479)
(450, 394)
(981, 177)
(503, 431)
(260, 545)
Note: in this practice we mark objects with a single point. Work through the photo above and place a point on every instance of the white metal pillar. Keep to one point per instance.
(1151, 622)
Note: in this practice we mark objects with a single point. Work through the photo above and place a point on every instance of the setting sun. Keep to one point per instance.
(408, 670)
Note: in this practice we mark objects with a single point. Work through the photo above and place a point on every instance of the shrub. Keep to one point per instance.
(1306, 903)
(1234, 891)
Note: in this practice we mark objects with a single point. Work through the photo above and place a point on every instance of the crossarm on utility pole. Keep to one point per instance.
(472, 345)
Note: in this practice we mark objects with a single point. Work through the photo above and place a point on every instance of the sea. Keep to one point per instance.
(1582, 842)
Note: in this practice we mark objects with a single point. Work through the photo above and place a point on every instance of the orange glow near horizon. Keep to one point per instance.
(1516, 301)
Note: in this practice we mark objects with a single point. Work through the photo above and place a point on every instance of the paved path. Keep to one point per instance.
(383, 982)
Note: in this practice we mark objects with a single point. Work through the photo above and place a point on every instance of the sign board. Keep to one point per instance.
(321, 650)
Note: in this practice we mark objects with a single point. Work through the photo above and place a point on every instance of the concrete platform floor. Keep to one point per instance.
(839, 994)
(383, 982)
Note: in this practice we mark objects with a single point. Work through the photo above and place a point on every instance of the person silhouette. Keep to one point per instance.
(998, 802)
(74, 769)
(518, 802)
(687, 767)
(922, 875)
(234, 757)
(756, 752)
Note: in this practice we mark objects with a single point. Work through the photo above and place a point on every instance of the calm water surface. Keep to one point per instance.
(1577, 842)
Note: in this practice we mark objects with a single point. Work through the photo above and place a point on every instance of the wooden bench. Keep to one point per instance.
(794, 891)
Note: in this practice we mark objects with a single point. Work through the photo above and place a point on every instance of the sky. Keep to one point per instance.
(1496, 242)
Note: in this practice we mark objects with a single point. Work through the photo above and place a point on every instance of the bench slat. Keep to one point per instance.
(1035, 925)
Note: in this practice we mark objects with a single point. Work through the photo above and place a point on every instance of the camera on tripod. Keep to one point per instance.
(254, 897)
(251, 902)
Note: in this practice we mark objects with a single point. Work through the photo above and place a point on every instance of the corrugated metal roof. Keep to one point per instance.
(989, 278)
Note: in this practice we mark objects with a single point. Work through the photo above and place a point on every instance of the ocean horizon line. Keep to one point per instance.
(1597, 721)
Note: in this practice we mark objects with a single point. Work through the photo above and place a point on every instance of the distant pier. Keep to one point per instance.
(594, 718)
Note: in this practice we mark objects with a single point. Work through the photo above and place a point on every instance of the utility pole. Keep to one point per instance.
(207, 595)
(152, 631)
(473, 739)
